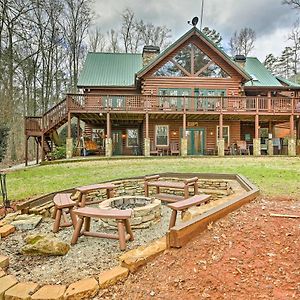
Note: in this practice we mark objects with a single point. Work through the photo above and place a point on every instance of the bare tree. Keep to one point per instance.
(113, 41)
(294, 37)
(97, 41)
(128, 30)
(242, 42)
(77, 19)
(293, 3)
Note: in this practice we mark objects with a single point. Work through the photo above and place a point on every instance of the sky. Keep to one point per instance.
(271, 20)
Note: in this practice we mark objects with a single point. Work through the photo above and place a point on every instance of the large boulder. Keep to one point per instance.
(26, 222)
(37, 244)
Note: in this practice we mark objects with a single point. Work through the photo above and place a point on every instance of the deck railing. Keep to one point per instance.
(33, 125)
(154, 103)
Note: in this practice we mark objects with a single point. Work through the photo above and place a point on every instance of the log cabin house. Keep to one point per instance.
(190, 99)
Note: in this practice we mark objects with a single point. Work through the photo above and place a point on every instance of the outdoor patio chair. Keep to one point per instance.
(242, 147)
(174, 148)
(153, 149)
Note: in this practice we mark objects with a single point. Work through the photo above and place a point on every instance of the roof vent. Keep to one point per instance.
(149, 54)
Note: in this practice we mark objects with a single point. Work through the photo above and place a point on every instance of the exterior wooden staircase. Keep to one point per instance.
(44, 128)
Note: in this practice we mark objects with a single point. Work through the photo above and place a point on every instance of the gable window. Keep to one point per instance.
(162, 135)
(225, 134)
(192, 62)
(132, 137)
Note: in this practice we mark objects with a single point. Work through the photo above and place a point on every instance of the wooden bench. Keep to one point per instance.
(62, 202)
(122, 217)
(184, 185)
(183, 205)
(84, 190)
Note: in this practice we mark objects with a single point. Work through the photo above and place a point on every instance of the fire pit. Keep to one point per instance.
(146, 211)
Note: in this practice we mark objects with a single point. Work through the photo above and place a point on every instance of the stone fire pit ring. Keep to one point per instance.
(146, 211)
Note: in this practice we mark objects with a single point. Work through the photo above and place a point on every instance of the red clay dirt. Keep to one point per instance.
(246, 255)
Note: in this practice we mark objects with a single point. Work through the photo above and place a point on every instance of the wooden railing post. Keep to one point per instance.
(269, 101)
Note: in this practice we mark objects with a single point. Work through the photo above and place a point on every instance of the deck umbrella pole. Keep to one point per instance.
(256, 140)
(221, 142)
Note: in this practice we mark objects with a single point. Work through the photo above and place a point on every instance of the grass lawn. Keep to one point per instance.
(273, 175)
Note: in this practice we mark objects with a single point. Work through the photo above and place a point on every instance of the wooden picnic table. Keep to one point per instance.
(84, 190)
(184, 185)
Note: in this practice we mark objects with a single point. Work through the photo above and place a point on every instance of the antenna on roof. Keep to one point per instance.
(202, 10)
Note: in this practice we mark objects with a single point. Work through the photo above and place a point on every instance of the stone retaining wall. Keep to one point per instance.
(217, 188)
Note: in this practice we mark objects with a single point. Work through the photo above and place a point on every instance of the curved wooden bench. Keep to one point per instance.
(84, 190)
(63, 201)
(183, 185)
(183, 205)
(121, 216)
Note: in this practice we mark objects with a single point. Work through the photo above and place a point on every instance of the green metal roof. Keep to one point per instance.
(110, 69)
(261, 76)
(288, 82)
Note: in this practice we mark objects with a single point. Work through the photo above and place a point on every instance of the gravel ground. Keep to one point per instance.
(88, 257)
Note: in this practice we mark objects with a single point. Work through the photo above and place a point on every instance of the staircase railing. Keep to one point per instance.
(33, 125)
(55, 115)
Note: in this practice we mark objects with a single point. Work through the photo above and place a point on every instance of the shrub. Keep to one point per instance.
(59, 153)
(4, 130)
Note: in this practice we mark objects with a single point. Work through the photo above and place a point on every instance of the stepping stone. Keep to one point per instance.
(110, 277)
(26, 222)
(4, 261)
(82, 289)
(6, 230)
(50, 292)
(6, 282)
(21, 291)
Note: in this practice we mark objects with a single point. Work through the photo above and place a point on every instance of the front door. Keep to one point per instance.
(117, 142)
(195, 141)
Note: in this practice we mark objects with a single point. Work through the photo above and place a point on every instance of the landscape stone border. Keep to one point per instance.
(130, 261)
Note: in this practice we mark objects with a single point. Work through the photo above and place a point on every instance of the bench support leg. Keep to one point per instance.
(146, 188)
(73, 217)
(87, 223)
(128, 229)
(173, 218)
(196, 192)
(57, 220)
(186, 192)
(121, 232)
(77, 231)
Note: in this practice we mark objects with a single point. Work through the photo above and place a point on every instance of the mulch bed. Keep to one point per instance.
(246, 255)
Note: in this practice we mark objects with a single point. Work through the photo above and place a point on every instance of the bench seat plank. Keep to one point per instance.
(93, 187)
(168, 197)
(192, 201)
(94, 212)
(63, 200)
(167, 184)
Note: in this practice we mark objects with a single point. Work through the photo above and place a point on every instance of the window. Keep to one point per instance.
(162, 135)
(225, 134)
(132, 137)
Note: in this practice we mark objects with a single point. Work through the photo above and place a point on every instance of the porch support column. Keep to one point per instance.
(42, 147)
(183, 144)
(37, 151)
(26, 151)
(270, 141)
(78, 137)
(220, 141)
(256, 140)
(146, 139)
(69, 140)
(291, 140)
(108, 140)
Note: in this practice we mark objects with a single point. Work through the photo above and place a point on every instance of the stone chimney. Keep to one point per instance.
(240, 60)
(149, 54)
